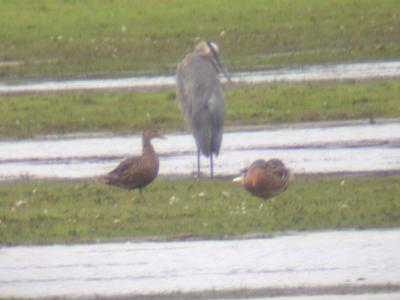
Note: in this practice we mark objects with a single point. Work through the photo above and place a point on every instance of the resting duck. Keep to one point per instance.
(265, 179)
(136, 172)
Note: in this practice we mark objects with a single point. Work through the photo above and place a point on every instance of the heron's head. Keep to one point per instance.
(151, 134)
(211, 50)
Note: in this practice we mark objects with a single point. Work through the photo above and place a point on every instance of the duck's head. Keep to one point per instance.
(151, 134)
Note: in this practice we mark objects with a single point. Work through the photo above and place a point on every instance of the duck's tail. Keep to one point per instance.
(105, 179)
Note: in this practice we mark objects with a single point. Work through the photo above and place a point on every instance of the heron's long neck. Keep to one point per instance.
(147, 147)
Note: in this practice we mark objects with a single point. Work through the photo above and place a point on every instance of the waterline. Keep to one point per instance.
(351, 71)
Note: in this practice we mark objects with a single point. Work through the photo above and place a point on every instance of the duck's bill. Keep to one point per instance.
(238, 180)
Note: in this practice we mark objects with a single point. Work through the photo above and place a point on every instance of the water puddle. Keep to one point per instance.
(308, 259)
(353, 71)
(361, 148)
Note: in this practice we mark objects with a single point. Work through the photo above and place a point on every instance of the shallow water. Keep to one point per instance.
(363, 296)
(352, 71)
(360, 148)
(313, 259)
(334, 149)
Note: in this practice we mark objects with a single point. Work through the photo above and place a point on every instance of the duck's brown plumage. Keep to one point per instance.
(266, 179)
(138, 171)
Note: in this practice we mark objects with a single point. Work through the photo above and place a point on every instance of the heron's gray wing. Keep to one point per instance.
(216, 109)
(185, 84)
(204, 80)
(181, 90)
(201, 100)
(194, 84)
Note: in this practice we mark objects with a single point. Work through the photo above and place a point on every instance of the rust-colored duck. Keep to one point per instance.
(265, 179)
(136, 172)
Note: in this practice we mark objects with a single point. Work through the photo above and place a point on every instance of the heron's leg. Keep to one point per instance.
(198, 163)
(211, 165)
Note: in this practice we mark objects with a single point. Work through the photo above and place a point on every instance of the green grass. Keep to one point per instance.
(46, 212)
(31, 115)
(113, 38)
(313, 102)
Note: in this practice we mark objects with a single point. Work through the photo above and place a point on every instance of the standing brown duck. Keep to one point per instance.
(137, 171)
(265, 179)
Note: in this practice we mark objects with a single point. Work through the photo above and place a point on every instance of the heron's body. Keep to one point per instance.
(136, 172)
(266, 179)
(201, 100)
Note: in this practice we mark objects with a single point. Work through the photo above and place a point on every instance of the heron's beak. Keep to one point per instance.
(238, 180)
(226, 74)
(160, 136)
(222, 68)
(218, 63)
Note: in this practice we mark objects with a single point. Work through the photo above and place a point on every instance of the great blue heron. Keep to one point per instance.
(201, 98)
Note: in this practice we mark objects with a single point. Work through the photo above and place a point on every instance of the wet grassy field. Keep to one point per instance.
(46, 212)
(41, 114)
(69, 39)
(74, 39)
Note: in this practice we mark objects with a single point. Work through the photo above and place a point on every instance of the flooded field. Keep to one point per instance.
(346, 264)
(354, 71)
(339, 261)
(330, 149)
